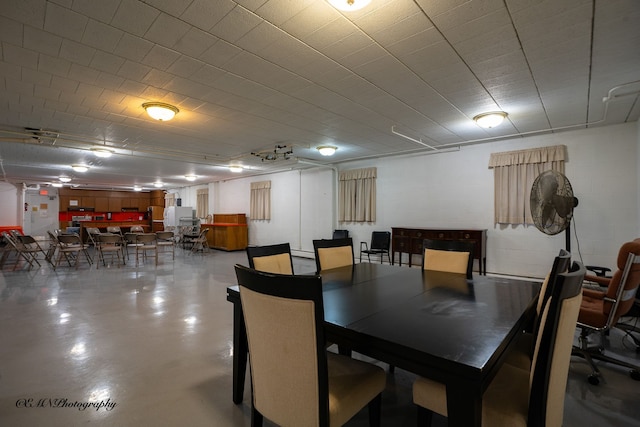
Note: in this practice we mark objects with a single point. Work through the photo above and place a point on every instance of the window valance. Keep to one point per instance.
(553, 153)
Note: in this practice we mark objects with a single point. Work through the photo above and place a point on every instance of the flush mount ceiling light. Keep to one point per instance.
(102, 152)
(327, 150)
(490, 120)
(80, 168)
(64, 179)
(190, 177)
(235, 168)
(56, 184)
(158, 184)
(137, 188)
(160, 111)
(349, 5)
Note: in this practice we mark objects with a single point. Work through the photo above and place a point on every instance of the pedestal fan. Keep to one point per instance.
(552, 204)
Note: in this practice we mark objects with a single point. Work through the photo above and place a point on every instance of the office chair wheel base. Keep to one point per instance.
(593, 379)
(635, 374)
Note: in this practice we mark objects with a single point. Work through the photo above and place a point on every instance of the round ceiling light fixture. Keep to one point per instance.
(490, 120)
(349, 5)
(327, 150)
(64, 179)
(137, 188)
(80, 168)
(190, 177)
(102, 152)
(56, 184)
(158, 184)
(235, 168)
(160, 111)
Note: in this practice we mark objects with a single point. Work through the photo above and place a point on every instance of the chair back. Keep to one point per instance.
(284, 318)
(109, 239)
(380, 240)
(165, 236)
(452, 256)
(552, 354)
(624, 283)
(271, 258)
(340, 234)
(136, 229)
(114, 229)
(146, 238)
(69, 240)
(333, 253)
(561, 264)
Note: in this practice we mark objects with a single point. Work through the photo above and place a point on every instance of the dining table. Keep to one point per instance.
(439, 325)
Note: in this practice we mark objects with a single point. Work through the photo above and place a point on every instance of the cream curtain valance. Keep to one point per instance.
(553, 153)
(358, 174)
(260, 185)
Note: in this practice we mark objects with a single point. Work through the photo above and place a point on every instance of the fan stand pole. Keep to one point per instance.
(567, 238)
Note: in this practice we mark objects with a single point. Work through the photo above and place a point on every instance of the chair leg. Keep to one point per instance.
(374, 411)
(424, 417)
(256, 417)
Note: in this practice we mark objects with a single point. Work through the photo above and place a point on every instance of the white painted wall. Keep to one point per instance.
(10, 200)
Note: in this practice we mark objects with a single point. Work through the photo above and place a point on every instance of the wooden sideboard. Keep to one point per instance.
(228, 232)
(409, 240)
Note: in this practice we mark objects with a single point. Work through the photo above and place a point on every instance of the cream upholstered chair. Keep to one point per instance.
(601, 310)
(451, 256)
(522, 355)
(525, 397)
(271, 258)
(333, 253)
(295, 381)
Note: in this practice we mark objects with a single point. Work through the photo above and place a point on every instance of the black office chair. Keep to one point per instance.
(271, 258)
(300, 384)
(340, 234)
(454, 256)
(380, 245)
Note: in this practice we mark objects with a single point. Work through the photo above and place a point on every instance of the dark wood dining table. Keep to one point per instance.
(442, 326)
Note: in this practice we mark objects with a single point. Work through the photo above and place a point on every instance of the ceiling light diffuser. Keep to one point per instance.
(349, 5)
(137, 188)
(327, 150)
(102, 152)
(56, 184)
(158, 184)
(64, 179)
(235, 169)
(490, 120)
(190, 177)
(160, 111)
(80, 168)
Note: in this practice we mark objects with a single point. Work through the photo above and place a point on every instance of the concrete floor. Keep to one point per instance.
(153, 346)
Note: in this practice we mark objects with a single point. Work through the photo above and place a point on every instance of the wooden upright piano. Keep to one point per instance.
(409, 240)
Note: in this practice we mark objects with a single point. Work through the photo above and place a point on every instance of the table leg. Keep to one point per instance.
(240, 351)
(464, 406)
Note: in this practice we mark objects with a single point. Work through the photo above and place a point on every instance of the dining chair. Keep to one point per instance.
(71, 247)
(340, 234)
(271, 258)
(146, 243)
(522, 355)
(380, 245)
(112, 244)
(452, 256)
(166, 240)
(295, 381)
(525, 397)
(601, 310)
(333, 253)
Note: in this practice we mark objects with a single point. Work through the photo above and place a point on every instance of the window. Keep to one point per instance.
(169, 199)
(260, 200)
(357, 195)
(202, 202)
(514, 173)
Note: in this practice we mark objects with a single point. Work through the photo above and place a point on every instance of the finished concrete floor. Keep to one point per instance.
(153, 346)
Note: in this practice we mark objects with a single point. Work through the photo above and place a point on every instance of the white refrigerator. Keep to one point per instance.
(174, 214)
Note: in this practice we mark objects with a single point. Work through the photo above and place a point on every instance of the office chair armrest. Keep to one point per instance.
(593, 293)
(601, 281)
(600, 271)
